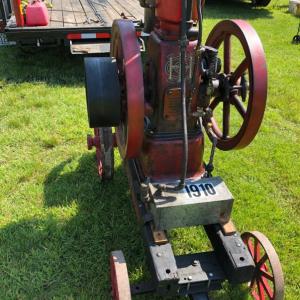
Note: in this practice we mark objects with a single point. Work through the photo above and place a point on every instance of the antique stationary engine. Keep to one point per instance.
(162, 91)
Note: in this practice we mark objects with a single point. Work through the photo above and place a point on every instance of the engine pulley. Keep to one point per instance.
(103, 93)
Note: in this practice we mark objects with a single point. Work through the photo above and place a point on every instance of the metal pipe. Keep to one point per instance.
(183, 46)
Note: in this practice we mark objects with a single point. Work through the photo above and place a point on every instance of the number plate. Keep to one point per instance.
(200, 189)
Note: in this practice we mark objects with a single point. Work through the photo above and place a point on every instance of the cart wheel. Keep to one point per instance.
(103, 141)
(267, 282)
(119, 276)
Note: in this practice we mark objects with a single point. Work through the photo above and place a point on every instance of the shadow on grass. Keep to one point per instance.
(54, 66)
(59, 256)
(234, 9)
(66, 255)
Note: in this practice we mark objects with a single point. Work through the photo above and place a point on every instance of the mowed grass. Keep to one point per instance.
(58, 223)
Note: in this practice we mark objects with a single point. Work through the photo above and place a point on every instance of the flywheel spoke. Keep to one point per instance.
(226, 118)
(214, 103)
(227, 54)
(238, 105)
(240, 70)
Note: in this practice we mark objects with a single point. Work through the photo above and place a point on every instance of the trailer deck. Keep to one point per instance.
(90, 13)
(69, 17)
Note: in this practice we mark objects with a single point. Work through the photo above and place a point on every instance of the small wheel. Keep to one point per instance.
(126, 50)
(243, 90)
(104, 152)
(267, 282)
(260, 2)
(119, 276)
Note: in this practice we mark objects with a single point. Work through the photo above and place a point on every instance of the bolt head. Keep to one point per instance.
(190, 278)
(210, 274)
(158, 254)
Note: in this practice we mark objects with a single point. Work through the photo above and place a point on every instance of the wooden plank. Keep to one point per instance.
(92, 19)
(80, 18)
(79, 13)
(69, 19)
(131, 9)
(106, 14)
(68, 14)
(56, 17)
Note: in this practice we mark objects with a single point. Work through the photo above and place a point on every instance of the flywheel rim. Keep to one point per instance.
(125, 48)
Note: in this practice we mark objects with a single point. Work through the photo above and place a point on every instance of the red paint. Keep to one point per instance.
(37, 14)
(103, 35)
(74, 36)
(168, 13)
(255, 64)
(98, 35)
(18, 13)
(126, 49)
(161, 159)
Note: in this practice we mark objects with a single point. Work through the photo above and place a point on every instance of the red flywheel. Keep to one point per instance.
(126, 49)
(245, 84)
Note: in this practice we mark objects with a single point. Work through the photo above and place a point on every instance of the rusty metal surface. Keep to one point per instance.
(159, 237)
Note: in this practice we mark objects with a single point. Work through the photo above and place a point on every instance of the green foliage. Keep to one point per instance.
(58, 224)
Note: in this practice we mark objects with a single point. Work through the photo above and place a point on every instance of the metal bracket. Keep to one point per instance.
(232, 254)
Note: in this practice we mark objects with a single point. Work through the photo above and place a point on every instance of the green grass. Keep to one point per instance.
(58, 224)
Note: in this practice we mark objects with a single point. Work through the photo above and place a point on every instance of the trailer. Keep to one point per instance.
(82, 25)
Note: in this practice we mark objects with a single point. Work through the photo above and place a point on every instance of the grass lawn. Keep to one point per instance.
(58, 224)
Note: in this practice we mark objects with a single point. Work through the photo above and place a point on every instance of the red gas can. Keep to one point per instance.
(37, 14)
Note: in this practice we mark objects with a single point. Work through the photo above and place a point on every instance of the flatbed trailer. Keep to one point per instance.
(83, 25)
